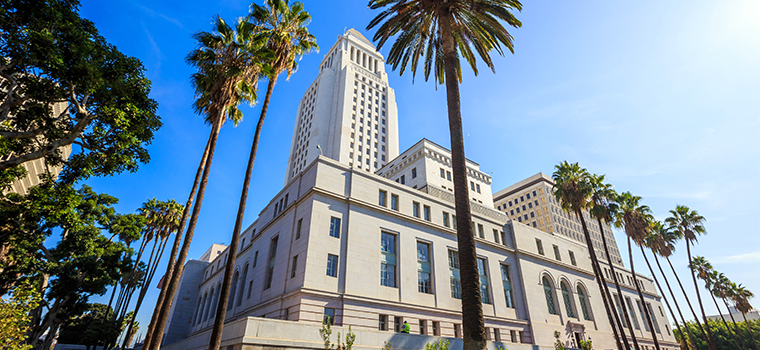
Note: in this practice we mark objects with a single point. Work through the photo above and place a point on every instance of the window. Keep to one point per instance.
(436, 328)
(496, 335)
(448, 175)
(456, 282)
(332, 265)
(295, 267)
(633, 314)
(382, 196)
(540, 247)
(620, 310)
(549, 295)
(382, 323)
(416, 209)
(457, 332)
(507, 281)
(329, 316)
(403, 178)
(423, 268)
(582, 301)
(513, 336)
(334, 227)
(446, 219)
(477, 188)
(414, 170)
(423, 327)
(503, 237)
(298, 228)
(567, 298)
(272, 255)
(454, 222)
(654, 319)
(481, 234)
(255, 258)
(556, 253)
(484, 297)
(426, 212)
(394, 202)
(496, 236)
(443, 173)
(388, 260)
(472, 186)
(572, 257)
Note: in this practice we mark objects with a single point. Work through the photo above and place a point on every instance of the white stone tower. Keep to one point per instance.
(349, 112)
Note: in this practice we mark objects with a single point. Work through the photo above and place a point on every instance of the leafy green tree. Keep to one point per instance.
(283, 29)
(723, 336)
(15, 314)
(717, 284)
(635, 219)
(705, 272)
(575, 192)
(440, 32)
(741, 296)
(88, 327)
(688, 224)
(51, 56)
(228, 62)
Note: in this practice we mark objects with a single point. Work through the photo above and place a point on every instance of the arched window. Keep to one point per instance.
(582, 300)
(242, 285)
(208, 304)
(549, 293)
(198, 311)
(567, 299)
(233, 289)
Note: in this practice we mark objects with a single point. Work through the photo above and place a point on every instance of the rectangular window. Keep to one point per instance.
(503, 238)
(654, 319)
(556, 253)
(448, 175)
(255, 258)
(403, 178)
(484, 297)
(426, 212)
(332, 265)
(507, 281)
(298, 228)
(472, 186)
(443, 173)
(513, 336)
(388, 260)
(540, 247)
(481, 234)
(454, 222)
(620, 310)
(572, 257)
(394, 202)
(295, 267)
(398, 323)
(457, 331)
(633, 315)
(436, 328)
(329, 316)
(381, 199)
(477, 188)
(423, 268)
(414, 170)
(423, 327)
(496, 236)
(416, 209)
(496, 335)
(272, 255)
(445, 219)
(334, 227)
(383, 323)
(456, 284)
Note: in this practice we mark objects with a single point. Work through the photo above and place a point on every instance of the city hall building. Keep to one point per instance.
(366, 237)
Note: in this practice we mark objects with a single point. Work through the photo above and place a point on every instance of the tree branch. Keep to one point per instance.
(20, 135)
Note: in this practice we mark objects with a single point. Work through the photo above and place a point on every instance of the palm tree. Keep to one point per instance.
(573, 191)
(688, 223)
(603, 207)
(716, 284)
(284, 36)
(170, 212)
(439, 32)
(661, 242)
(741, 296)
(228, 66)
(634, 219)
(705, 272)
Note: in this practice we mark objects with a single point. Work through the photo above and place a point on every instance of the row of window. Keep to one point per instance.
(632, 314)
(384, 324)
(628, 278)
(567, 299)
(557, 255)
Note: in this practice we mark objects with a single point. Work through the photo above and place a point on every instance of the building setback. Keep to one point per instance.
(374, 249)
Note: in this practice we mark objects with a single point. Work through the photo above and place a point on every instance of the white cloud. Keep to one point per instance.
(738, 258)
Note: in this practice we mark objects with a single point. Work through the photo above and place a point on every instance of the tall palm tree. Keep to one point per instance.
(602, 208)
(170, 216)
(160, 303)
(282, 32)
(716, 284)
(661, 242)
(634, 219)
(439, 32)
(705, 272)
(228, 62)
(688, 223)
(573, 191)
(741, 296)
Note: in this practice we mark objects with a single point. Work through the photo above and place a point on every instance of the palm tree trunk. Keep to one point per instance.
(696, 319)
(710, 338)
(170, 267)
(473, 327)
(221, 309)
(648, 317)
(609, 295)
(662, 292)
(623, 307)
(736, 326)
(675, 302)
(161, 323)
(749, 327)
(733, 335)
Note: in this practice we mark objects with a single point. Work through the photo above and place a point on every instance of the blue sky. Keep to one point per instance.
(662, 97)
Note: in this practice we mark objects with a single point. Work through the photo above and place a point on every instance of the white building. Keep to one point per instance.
(372, 249)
